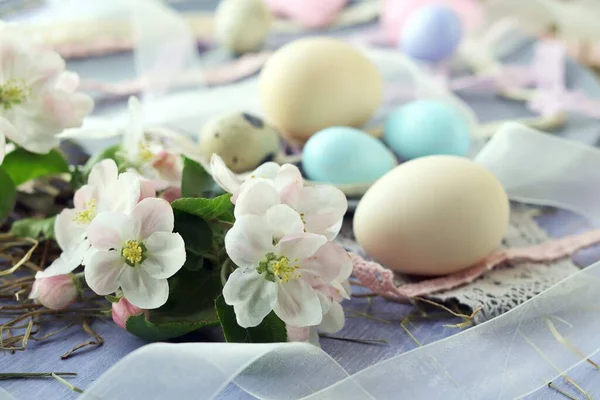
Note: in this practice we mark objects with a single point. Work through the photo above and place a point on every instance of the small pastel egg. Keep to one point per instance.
(427, 127)
(242, 26)
(342, 155)
(242, 140)
(432, 216)
(431, 33)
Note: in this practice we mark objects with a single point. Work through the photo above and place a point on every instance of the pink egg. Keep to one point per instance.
(395, 13)
(310, 13)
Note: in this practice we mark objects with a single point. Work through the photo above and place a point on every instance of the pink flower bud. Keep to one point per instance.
(122, 310)
(55, 292)
(146, 189)
(171, 194)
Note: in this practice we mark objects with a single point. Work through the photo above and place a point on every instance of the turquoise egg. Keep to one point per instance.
(341, 155)
(427, 127)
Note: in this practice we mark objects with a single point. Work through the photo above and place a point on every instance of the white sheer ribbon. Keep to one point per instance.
(504, 358)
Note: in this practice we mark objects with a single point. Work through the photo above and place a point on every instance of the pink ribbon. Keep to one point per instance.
(380, 280)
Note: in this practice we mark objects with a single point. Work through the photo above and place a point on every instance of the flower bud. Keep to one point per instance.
(122, 310)
(55, 292)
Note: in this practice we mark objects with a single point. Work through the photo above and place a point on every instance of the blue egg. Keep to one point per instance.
(427, 127)
(341, 155)
(431, 33)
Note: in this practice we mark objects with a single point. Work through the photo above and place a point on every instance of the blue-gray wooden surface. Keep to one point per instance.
(91, 363)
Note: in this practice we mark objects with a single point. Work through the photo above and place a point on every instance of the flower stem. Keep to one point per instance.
(225, 269)
(67, 384)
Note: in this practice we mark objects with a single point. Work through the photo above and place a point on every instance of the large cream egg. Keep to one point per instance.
(315, 83)
(432, 216)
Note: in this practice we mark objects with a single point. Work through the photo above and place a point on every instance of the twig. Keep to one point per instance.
(23, 260)
(559, 390)
(355, 340)
(562, 340)
(363, 295)
(99, 341)
(549, 361)
(368, 316)
(67, 384)
(29, 375)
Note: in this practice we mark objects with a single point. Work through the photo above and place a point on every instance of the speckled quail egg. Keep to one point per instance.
(243, 140)
(242, 26)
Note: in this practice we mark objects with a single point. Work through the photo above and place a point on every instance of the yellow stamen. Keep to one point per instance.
(133, 252)
(86, 216)
(12, 92)
(145, 153)
(284, 271)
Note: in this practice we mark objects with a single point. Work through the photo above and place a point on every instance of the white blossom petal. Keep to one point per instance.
(289, 182)
(268, 170)
(110, 230)
(249, 241)
(121, 195)
(256, 198)
(2, 145)
(104, 270)
(323, 206)
(142, 290)
(300, 245)
(133, 136)
(165, 254)
(251, 295)
(68, 232)
(8, 130)
(153, 215)
(334, 320)
(298, 304)
(69, 260)
(103, 174)
(283, 221)
(330, 262)
(223, 175)
(84, 195)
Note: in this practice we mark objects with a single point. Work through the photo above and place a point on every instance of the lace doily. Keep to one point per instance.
(502, 288)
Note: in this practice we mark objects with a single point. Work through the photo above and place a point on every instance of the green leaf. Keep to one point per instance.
(219, 208)
(109, 152)
(271, 329)
(196, 181)
(23, 166)
(34, 228)
(189, 308)
(196, 233)
(193, 262)
(8, 195)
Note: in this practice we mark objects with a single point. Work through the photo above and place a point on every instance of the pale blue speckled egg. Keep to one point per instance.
(427, 127)
(431, 33)
(342, 155)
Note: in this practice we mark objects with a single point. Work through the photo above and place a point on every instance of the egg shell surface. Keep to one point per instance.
(432, 33)
(318, 82)
(427, 127)
(432, 216)
(242, 140)
(342, 155)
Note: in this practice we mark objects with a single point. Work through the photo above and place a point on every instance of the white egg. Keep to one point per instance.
(432, 216)
(242, 26)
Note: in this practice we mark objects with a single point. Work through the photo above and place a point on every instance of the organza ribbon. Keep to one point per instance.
(504, 358)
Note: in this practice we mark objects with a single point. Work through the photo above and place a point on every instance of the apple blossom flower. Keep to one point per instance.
(56, 292)
(122, 310)
(136, 253)
(106, 190)
(321, 207)
(233, 183)
(280, 266)
(37, 96)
